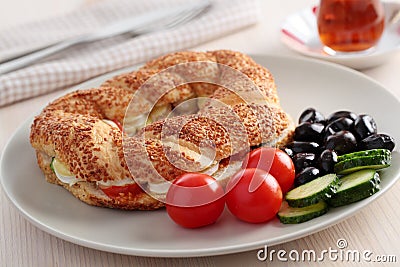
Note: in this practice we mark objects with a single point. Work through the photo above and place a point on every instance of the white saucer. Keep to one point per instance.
(300, 33)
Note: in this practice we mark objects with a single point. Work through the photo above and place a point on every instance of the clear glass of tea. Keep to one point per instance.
(350, 25)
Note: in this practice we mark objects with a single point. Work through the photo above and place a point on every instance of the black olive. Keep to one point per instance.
(303, 160)
(306, 175)
(288, 151)
(326, 161)
(341, 114)
(364, 126)
(311, 115)
(342, 142)
(312, 132)
(302, 146)
(377, 141)
(339, 125)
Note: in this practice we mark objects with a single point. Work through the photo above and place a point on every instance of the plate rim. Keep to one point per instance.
(169, 253)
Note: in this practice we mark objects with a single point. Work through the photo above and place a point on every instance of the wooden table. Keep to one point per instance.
(375, 228)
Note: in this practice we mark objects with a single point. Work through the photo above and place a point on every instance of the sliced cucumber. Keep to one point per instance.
(52, 164)
(375, 162)
(356, 186)
(312, 192)
(364, 153)
(289, 214)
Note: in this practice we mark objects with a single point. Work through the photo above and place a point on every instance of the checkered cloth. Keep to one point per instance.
(82, 62)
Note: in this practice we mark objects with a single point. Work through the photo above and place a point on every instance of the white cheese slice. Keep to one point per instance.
(226, 173)
(123, 182)
(111, 123)
(62, 172)
(132, 124)
(211, 170)
(159, 188)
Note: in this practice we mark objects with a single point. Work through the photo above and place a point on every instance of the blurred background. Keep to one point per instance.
(32, 10)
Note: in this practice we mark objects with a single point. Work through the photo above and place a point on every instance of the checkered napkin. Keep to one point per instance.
(82, 62)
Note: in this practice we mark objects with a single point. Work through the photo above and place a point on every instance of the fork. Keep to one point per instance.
(147, 23)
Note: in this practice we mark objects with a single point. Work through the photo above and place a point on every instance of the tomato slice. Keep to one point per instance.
(121, 191)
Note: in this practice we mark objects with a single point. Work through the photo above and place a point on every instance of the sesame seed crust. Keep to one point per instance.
(238, 113)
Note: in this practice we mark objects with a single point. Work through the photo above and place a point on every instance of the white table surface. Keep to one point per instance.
(376, 227)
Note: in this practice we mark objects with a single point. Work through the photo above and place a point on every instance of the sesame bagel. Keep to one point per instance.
(121, 144)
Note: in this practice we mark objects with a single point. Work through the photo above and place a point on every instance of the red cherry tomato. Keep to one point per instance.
(120, 191)
(195, 200)
(274, 161)
(253, 195)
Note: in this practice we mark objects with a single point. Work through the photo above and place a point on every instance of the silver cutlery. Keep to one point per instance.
(146, 23)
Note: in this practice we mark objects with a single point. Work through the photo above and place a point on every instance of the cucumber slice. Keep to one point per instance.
(312, 192)
(350, 165)
(52, 164)
(292, 215)
(356, 186)
(363, 153)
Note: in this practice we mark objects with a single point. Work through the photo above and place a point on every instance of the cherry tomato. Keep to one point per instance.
(274, 161)
(118, 191)
(253, 195)
(195, 200)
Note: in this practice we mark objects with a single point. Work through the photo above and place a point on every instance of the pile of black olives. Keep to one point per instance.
(319, 140)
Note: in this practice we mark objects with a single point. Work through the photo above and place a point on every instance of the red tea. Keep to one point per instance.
(350, 25)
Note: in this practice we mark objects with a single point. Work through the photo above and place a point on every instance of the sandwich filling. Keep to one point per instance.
(66, 177)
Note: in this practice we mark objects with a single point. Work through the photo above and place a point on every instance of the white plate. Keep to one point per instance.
(54, 210)
(300, 33)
